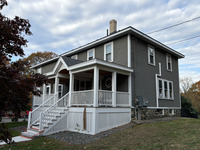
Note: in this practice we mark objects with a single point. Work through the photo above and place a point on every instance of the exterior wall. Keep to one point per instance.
(144, 74)
(147, 114)
(48, 67)
(120, 52)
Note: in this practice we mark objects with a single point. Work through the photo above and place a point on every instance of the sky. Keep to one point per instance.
(62, 25)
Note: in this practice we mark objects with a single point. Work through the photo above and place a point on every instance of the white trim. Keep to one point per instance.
(111, 44)
(48, 86)
(154, 55)
(96, 86)
(112, 36)
(164, 107)
(39, 70)
(129, 49)
(71, 87)
(169, 56)
(163, 90)
(156, 83)
(93, 50)
(130, 89)
(74, 56)
(114, 88)
(100, 62)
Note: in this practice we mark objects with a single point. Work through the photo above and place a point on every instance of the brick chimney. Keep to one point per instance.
(113, 26)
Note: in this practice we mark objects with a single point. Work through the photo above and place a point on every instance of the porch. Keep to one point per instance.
(89, 87)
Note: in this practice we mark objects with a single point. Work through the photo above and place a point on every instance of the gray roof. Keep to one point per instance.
(70, 61)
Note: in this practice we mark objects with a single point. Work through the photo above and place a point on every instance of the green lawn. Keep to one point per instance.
(16, 124)
(178, 134)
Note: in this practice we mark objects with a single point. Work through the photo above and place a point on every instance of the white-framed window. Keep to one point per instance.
(169, 62)
(161, 111)
(74, 57)
(108, 52)
(60, 90)
(171, 111)
(165, 89)
(151, 55)
(90, 54)
(48, 89)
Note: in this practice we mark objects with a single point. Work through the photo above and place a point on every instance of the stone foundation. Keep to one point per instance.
(147, 113)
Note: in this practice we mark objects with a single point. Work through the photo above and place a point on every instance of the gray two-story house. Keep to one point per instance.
(102, 84)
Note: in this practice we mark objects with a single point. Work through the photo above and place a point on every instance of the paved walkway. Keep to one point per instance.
(17, 139)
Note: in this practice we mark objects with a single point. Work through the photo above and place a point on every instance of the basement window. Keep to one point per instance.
(160, 111)
(171, 111)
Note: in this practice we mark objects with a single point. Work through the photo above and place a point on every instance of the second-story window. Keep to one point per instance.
(90, 54)
(108, 52)
(169, 62)
(74, 57)
(151, 55)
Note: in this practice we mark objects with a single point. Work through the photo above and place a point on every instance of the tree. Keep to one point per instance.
(185, 84)
(39, 57)
(15, 85)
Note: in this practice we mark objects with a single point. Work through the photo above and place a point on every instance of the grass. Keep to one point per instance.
(177, 134)
(15, 124)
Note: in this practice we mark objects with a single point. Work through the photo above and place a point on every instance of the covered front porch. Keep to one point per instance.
(92, 86)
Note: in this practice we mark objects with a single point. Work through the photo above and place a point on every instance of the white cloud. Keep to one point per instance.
(65, 25)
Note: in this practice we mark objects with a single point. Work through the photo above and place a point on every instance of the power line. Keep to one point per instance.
(183, 40)
(174, 25)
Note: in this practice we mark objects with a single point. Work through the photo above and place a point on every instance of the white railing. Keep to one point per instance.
(62, 103)
(122, 98)
(82, 97)
(105, 98)
(37, 100)
(35, 114)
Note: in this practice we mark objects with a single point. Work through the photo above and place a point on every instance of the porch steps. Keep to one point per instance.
(48, 121)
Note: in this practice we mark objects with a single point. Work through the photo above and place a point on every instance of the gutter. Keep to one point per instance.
(156, 78)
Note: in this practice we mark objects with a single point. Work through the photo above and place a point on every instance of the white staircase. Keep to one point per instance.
(40, 122)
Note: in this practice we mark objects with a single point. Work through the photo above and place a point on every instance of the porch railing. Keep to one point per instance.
(38, 100)
(35, 114)
(82, 98)
(105, 98)
(62, 103)
(122, 98)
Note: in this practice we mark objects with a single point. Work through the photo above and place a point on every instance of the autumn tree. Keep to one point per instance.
(15, 85)
(38, 57)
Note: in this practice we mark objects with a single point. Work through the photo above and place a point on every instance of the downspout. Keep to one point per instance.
(156, 78)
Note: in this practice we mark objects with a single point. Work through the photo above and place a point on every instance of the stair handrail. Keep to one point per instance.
(30, 121)
(50, 108)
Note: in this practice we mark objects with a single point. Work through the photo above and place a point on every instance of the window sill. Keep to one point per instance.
(152, 64)
(166, 99)
(169, 70)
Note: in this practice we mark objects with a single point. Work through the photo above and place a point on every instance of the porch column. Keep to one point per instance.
(56, 88)
(96, 86)
(130, 89)
(43, 92)
(71, 87)
(114, 88)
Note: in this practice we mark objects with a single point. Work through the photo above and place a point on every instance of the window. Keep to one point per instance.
(171, 111)
(151, 55)
(160, 89)
(90, 54)
(160, 111)
(60, 90)
(74, 57)
(165, 89)
(169, 62)
(48, 89)
(108, 52)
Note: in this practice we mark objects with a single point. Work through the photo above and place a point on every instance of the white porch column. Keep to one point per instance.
(114, 88)
(71, 87)
(96, 86)
(130, 89)
(56, 88)
(43, 92)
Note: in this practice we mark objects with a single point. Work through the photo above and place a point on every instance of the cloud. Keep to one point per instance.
(64, 25)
